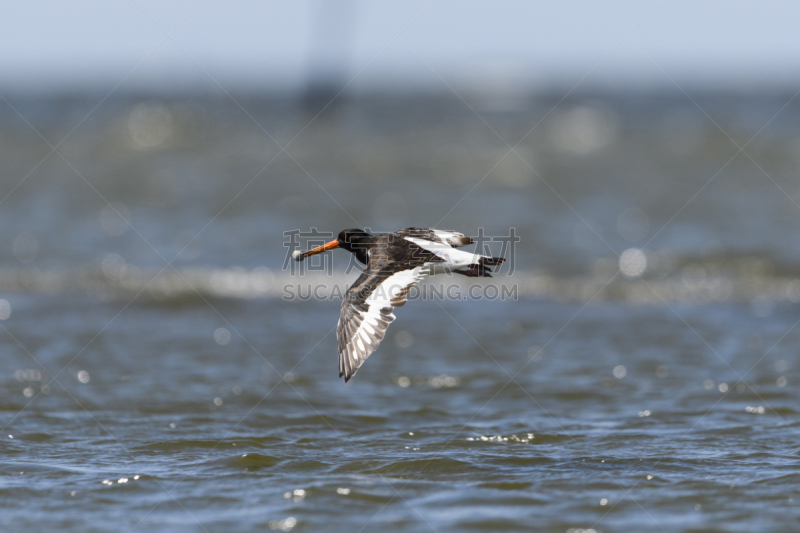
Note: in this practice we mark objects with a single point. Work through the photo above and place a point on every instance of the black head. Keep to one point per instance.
(356, 241)
(353, 239)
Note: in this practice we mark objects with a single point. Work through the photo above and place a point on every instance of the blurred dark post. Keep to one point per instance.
(329, 53)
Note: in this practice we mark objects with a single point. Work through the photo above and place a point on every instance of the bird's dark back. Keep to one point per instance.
(393, 253)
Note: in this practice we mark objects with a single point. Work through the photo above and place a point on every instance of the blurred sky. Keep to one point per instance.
(52, 45)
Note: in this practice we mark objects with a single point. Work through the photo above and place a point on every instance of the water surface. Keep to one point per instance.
(155, 379)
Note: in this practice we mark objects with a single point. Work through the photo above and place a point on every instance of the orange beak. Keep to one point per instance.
(299, 256)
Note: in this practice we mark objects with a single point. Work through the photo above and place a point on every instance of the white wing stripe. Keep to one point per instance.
(453, 258)
(394, 285)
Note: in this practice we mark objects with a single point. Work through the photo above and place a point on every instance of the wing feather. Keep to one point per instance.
(367, 311)
(451, 238)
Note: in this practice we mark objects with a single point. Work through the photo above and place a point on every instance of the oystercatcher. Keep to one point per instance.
(395, 263)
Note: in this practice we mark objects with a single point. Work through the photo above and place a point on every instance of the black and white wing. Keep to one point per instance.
(443, 245)
(451, 238)
(367, 312)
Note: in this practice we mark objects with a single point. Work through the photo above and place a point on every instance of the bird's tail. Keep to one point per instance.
(491, 261)
(480, 269)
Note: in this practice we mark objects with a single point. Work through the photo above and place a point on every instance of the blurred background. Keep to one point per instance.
(663, 126)
(154, 155)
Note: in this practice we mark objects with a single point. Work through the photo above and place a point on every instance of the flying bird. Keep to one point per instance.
(395, 262)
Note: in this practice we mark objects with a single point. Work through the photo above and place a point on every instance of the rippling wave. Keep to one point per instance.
(671, 279)
(204, 395)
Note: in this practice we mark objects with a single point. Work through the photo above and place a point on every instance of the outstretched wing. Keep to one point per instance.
(367, 312)
(452, 238)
